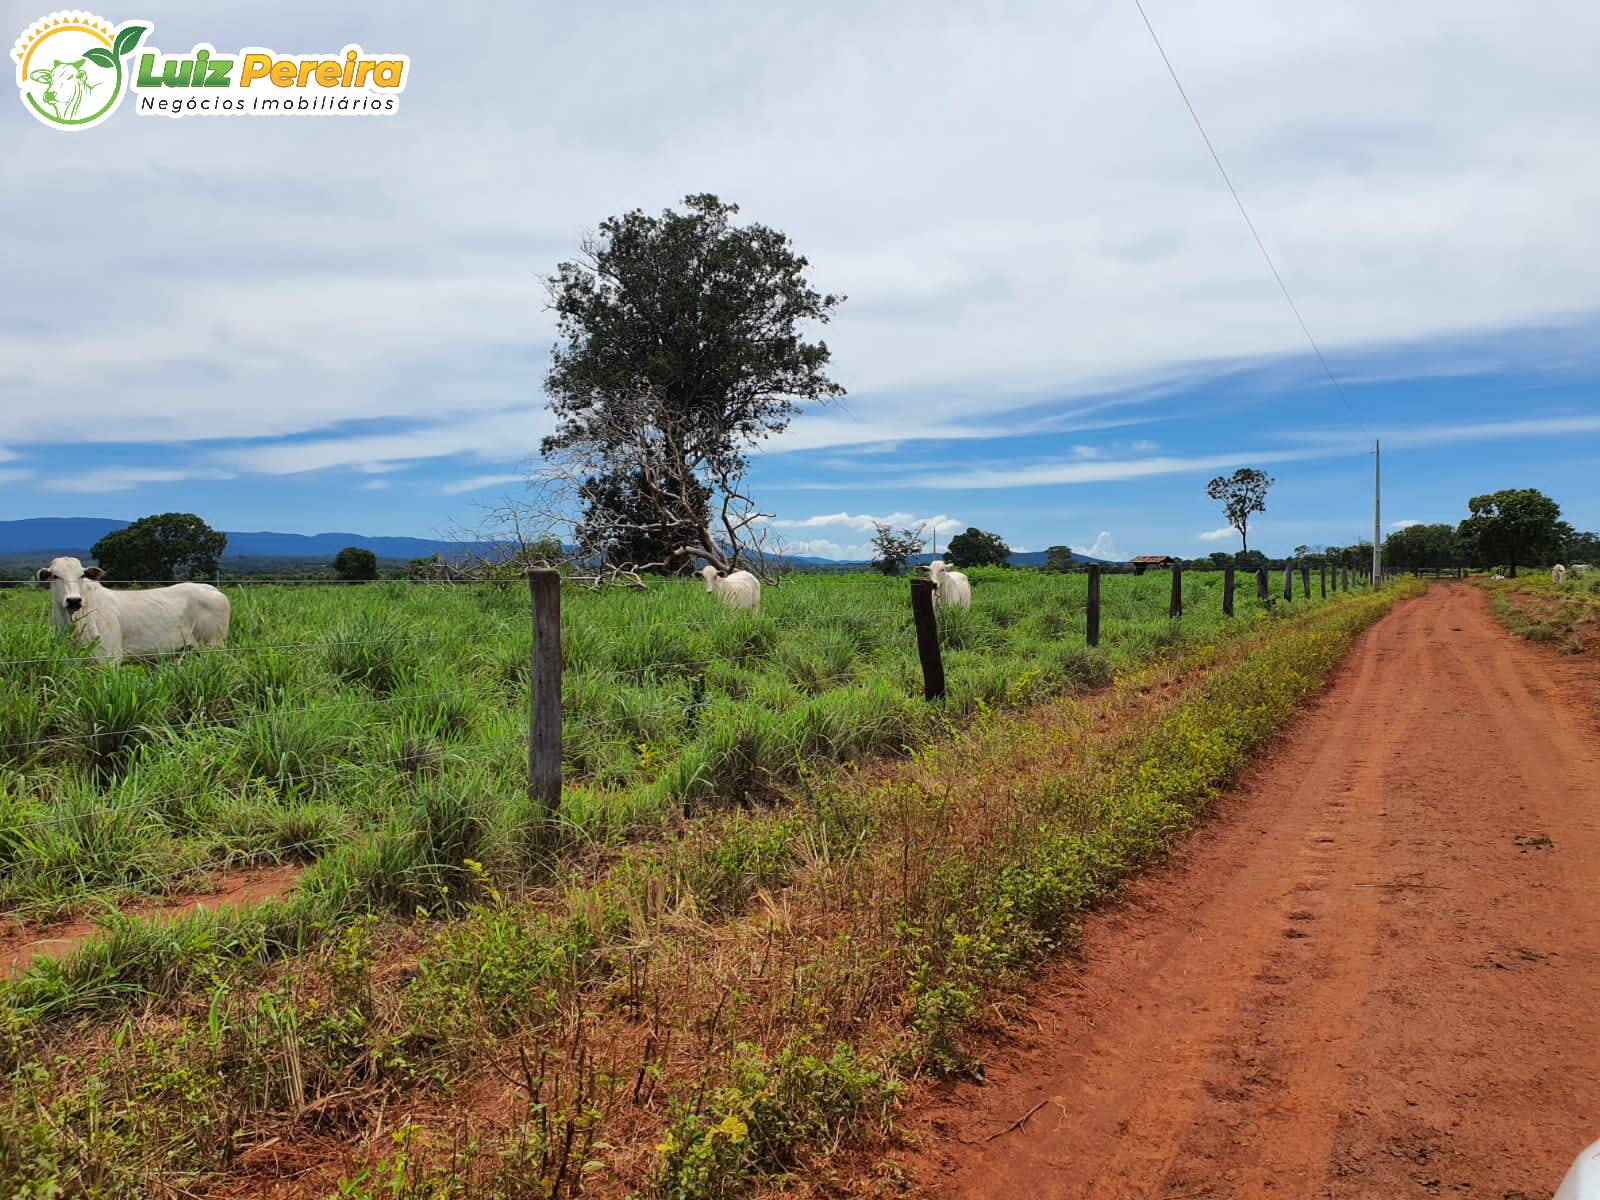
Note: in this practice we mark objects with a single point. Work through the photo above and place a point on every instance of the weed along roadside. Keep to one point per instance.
(680, 1011)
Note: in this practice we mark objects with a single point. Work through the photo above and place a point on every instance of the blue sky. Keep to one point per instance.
(1058, 328)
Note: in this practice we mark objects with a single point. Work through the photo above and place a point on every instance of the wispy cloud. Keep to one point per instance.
(1405, 524)
(1218, 535)
(122, 479)
(477, 483)
(494, 437)
(1110, 470)
(866, 522)
(1443, 433)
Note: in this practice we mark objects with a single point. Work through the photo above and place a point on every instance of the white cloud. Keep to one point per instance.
(477, 483)
(1406, 524)
(122, 479)
(373, 485)
(1402, 198)
(866, 522)
(1442, 434)
(495, 437)
(824, 548)
(1108, 471)
(1104, 546)
(1218, 535)
(1145, 447)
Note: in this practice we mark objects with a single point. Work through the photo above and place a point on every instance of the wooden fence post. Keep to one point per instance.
(1322, 580)
(1227, 591)
(1345, 576)
(1092, 614)
(544, 716)
(1305, 581)
(1175, 608)
(1288, 582)
(1261, 583)
(927, 638)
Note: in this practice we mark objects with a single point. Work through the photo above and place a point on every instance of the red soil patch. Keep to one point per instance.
(1372, 974)
(21, 943)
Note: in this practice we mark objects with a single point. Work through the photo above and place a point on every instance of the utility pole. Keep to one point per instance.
(1377, 519)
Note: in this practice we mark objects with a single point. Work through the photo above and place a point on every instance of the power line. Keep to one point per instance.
(1243, 212)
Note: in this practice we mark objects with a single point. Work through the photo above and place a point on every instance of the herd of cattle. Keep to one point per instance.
(166, 619)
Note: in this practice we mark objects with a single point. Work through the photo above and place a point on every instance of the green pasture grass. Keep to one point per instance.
(334, 711)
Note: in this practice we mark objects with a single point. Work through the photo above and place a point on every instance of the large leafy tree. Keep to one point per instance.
(1423, 546)
(1058, 560)
(621, 523)
(1513, 526)
(977, 548)
(1242, 494)
(892, 548)
(355, 563)
(683, 345)
(1581, 548)
(159, 548)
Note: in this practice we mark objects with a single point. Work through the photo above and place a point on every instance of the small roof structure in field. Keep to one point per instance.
(1143, 562)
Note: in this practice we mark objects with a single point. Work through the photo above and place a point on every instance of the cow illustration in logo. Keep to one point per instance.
(66, 87)
(70, 67)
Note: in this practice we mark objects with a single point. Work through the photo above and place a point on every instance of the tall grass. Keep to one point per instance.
(332, 710)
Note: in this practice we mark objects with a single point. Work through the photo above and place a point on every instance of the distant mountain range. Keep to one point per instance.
(48, 537)
(74, 536)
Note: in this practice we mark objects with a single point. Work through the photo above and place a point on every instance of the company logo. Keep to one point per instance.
(73, 68)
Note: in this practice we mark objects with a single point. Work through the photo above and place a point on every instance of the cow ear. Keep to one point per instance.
(43, 575)
(93, 573)
(39, 76)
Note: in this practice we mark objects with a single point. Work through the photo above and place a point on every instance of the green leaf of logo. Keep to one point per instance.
(100, 57)
(128, 39)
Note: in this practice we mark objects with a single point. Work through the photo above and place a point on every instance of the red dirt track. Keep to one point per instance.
(1375, 973)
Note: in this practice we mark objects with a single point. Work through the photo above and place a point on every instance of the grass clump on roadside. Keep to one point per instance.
(1565, 615)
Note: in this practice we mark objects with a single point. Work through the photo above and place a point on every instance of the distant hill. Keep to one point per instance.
(74, 535)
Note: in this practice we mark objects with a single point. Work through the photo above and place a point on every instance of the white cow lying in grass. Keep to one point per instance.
(950, 587)
(1558, 574)
(736, 589)
(124, 623)
(1580, 568)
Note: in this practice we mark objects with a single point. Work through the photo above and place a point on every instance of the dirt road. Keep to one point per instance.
(1375, 973)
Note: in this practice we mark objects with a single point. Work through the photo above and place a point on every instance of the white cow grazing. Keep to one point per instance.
(950, 587)
(736, 589)
(1580, 568)
(124, 623)
(1558, 574)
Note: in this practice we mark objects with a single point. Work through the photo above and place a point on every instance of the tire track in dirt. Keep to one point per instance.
(1368, 976)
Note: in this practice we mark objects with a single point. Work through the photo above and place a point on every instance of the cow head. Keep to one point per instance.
(65, 577)
(66, 85)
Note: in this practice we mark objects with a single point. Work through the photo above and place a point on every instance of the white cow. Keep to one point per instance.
(950, 587)
(1580, 568)
(1558, 574)
(66, 87)
(132, 623)
(736, 589)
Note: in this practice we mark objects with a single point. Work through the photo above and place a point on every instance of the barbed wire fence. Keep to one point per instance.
(547, 719)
